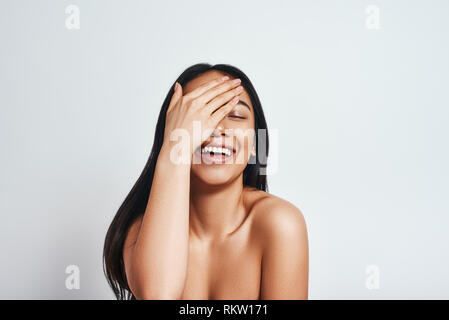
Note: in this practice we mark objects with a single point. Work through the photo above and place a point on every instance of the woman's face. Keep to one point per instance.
(235, 132)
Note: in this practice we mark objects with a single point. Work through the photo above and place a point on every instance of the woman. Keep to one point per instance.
(208, 229)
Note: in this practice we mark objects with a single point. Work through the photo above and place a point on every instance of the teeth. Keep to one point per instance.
(218, 150)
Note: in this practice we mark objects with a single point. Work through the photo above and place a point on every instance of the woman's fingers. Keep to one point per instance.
(222, 99)
(177, 94)
(203, 88)
(223, 111)
(217, 90)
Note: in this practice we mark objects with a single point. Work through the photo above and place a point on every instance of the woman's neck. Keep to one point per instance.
(215, 211)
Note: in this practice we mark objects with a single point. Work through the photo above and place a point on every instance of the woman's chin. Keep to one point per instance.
(213, 174)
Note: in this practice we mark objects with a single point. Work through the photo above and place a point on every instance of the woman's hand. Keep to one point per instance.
(207, 104)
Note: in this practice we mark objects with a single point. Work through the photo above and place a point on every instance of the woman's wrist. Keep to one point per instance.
(175, 155)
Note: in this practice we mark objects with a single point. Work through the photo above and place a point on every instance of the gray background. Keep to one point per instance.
(361, 116)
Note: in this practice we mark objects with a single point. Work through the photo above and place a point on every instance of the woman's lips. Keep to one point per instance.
(208, 156)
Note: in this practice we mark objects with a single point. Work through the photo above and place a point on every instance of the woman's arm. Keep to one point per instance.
(156, 249)
(156, 263)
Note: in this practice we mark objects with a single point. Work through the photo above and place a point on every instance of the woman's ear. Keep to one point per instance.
(253, 152)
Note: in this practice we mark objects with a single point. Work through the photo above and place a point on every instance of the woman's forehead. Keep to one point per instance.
(203, 79)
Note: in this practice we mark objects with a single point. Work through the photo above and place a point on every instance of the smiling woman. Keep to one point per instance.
(208, 228)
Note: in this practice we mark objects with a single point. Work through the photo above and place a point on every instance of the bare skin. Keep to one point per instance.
(204, 234)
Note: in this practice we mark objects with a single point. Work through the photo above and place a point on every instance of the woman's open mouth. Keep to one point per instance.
(216, 154)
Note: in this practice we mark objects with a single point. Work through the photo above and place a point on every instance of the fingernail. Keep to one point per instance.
(235, 81)
(176, 86)
(239, 89)
(224, 78)
(235, 99)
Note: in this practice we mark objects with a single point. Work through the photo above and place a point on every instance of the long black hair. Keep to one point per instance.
(135, 203)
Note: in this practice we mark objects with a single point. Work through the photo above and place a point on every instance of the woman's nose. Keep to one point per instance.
(219, 130)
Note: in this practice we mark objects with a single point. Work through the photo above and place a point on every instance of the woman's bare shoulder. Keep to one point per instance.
(274, 216)
(280, 231)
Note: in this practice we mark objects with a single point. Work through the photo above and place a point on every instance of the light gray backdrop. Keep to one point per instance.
(357, 90)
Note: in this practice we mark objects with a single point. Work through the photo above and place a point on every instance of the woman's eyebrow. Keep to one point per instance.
(245, 104)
